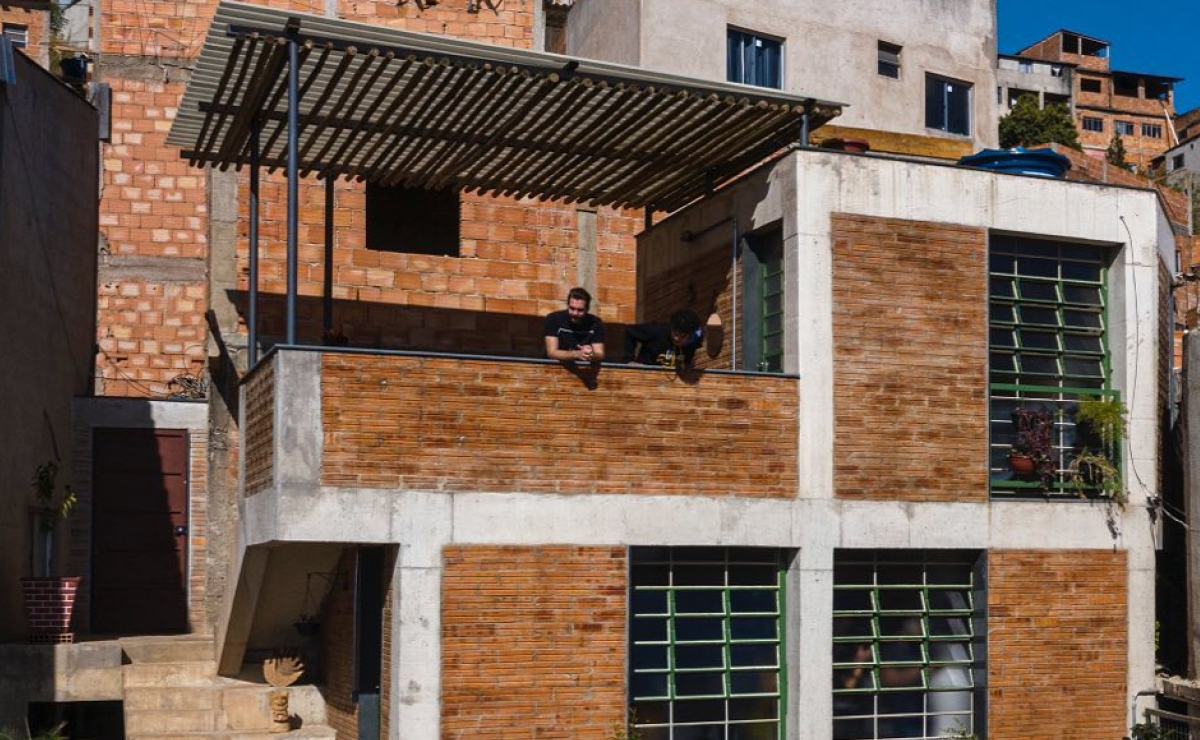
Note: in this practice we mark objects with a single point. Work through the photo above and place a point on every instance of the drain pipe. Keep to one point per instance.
(733, 277)
(1133, 705)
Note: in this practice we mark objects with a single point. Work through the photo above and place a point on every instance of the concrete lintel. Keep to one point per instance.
(140, 413)
(153, 269)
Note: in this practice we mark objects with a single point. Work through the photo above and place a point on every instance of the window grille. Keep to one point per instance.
(1123, 128)
(908, 644)
(1090, 123)
(1152, 130)
(706, 643)
(1048, 345)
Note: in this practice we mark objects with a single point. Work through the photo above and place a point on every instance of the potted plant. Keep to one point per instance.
(1032, 453)
(1100, 426)
(49, 599)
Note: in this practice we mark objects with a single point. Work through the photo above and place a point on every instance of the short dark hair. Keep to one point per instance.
(579, 294)
(685, 321)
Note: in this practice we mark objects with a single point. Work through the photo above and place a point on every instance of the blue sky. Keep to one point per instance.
(1157, 38)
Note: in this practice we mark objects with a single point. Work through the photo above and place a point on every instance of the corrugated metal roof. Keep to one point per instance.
(397, 107)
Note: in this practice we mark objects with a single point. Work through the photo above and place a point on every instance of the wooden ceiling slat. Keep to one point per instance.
(246, 57)
(451, 106)
(302, 92)
(360, 136)
(265, 72)
(421, 78)
(425, 107)
(363, 89)
(308, 135)
(225, 75)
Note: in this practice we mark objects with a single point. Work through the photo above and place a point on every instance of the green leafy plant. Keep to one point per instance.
(53, 733)
(1101, 425)
(1115, 154)
(629, 730)
(1148, 731)
(960, 733)
(1035, 440)
(52, 506)
(1029, 125)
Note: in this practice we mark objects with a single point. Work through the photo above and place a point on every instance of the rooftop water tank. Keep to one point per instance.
(1019, 161)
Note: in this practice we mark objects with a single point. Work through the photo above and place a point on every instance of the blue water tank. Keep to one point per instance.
(1019, 161)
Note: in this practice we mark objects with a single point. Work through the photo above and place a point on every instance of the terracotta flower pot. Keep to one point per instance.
(1022, 464)
(49, 603)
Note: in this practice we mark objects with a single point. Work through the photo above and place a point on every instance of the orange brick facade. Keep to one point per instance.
(1057, 644)
(445, 424)
(910, 369)
(260, 428)
(533, 643)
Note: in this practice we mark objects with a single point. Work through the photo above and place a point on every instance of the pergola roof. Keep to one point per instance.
(403, 108)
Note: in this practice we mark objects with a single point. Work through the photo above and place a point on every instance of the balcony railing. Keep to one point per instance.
(1067, 443)
(437, 422)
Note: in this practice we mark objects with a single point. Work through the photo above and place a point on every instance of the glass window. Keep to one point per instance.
(889, 60)
(753, 59)
(18, 34)
(1152, 130)
(1177, 162)
(1049, 350)
(1091, 123)
(706, 642)
(907, 647)
(1123, 128)
(947, 105)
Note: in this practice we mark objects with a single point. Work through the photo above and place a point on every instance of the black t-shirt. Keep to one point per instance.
(651, 344)
(589, 330)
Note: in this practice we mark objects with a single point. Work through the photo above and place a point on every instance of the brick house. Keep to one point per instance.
(493, 546)
(1136, 106)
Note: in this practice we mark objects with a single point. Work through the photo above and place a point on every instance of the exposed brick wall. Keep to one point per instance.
(33, 20)
(448, 424)
(337, 650)
(518, 259)
(533, 643)
(511, 24)
(910, 360)
(259, 397)
(704, 284)
(1057, 642)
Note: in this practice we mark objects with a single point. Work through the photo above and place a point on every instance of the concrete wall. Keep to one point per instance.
(830, 50)
(48, 184)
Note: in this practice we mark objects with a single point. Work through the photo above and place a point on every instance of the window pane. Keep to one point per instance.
(935, 103)
(958, 105)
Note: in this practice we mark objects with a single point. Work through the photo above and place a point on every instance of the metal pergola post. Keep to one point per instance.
(252, 317)
(293, 162)
(327, 308)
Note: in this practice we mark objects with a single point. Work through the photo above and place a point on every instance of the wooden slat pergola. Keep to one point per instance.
(400, 108)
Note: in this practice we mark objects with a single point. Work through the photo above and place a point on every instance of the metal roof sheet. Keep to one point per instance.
(397, 107)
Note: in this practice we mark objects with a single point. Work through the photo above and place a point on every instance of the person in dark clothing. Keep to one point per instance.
(670, 345)
(574, 334)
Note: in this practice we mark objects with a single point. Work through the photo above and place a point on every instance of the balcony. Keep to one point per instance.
(404, 421)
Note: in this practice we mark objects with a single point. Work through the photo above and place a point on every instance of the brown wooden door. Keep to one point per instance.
(139, 525)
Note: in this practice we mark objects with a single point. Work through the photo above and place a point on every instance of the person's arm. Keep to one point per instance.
(597, 352)
(562, 355)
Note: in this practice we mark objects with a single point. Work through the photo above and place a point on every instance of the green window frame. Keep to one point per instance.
(772, 310)
(706, 643)
(909, 644)
(1048, 349)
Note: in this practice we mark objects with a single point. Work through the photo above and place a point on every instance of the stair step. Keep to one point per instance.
(169, 649)
(247, 707)
(317, 732)
(170, 721)
(169, 675)
(143, 699)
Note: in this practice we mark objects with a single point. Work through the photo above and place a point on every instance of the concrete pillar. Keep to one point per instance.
(586, 257)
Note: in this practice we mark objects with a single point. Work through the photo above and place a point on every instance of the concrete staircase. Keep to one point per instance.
(172, 692)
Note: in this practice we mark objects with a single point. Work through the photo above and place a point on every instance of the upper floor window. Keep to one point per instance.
(947, 105)
(1123, 128)
(906, 649)
(889, 60)
(754, 60)
(1025, 67)
(1056, 70)
(1125, 86)
(1177, 162)
(1049, 349)
(413, 220)
(1152, 130)
(1091, 123)
(1091, 85)
(706, 654)
(18, 34)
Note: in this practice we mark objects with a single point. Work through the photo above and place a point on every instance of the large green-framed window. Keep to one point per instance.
(908, 650)
(1048, 344)
(706, 643)
(772, 310)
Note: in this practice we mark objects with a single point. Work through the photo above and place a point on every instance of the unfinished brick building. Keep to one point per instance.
(815, 534)
(1137, 106)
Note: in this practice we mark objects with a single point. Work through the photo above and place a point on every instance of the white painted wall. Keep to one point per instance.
(830, 49)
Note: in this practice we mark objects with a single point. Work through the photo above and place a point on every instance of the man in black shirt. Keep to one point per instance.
(670, 345)
(574, 334)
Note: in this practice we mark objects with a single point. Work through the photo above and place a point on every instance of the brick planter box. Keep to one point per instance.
(48, 605)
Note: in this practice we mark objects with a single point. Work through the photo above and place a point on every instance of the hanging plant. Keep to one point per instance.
(1101, 425)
